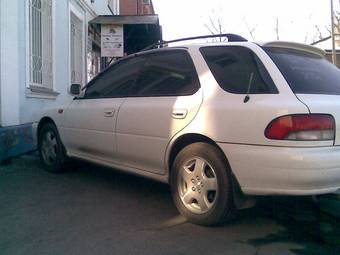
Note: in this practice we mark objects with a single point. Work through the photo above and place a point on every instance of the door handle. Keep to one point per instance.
(179, 113)
(109, 113)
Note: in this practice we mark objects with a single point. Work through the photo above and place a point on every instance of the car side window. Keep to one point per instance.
(117, 81)
(167, 73)
(238, 70)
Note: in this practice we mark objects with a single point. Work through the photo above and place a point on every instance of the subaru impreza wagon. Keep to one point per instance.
(217, 121)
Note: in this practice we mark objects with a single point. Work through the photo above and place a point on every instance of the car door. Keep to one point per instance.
(167, 97)
(90, 121)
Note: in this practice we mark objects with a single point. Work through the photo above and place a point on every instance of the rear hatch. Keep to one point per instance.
(313, 79)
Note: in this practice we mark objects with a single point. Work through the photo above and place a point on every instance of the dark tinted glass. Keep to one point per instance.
(238, 70)
(306, 73)
(167, 73)
(118, 81)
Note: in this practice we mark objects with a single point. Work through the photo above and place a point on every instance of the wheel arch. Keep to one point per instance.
(241, 201)
(187, 139)
(43, 122)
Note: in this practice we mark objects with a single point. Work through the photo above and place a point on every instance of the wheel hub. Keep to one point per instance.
(197, 185)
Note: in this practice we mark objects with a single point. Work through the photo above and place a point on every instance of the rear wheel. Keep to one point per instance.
(50, 148)
(200, 184)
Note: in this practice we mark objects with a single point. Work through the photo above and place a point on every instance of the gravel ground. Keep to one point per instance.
(94, 210)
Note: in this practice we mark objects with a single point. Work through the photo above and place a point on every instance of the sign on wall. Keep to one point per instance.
(112, 41)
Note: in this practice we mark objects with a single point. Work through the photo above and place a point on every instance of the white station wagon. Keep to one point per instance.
(217, 121)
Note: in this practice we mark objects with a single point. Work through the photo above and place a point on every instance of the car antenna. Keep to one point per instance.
(246, 99)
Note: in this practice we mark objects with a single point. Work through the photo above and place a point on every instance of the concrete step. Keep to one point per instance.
(16, 140)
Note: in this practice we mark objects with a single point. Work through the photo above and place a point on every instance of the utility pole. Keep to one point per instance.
(333, 34)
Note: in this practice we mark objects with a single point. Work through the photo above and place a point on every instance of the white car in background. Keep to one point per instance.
(216, 121)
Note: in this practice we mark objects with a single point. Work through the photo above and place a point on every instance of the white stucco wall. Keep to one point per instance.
(10, 76)
(18, 105)
(31, 103)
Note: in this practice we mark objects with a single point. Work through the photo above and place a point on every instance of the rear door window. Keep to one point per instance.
(238, 70)
(167, 73)
(306, 73)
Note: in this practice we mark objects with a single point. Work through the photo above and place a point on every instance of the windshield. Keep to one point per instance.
(306, 73)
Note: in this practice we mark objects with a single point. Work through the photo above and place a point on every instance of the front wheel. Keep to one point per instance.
(50, 148)
(200, 184)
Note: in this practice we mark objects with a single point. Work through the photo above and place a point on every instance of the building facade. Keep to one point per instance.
(326, 45)
(136, 7)
(45, 45)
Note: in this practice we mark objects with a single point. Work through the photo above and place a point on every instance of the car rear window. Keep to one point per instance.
(306, 73)
(238, 70)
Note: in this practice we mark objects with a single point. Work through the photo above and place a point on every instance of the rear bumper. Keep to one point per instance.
(267, 170)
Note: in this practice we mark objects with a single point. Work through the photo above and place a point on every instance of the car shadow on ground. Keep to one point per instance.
(297, 216)
(305, 233)
(92, 194)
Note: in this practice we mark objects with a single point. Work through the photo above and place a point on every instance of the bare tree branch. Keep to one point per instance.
(215, 27)
(306, 37)
(250, 30)
(212, 32)
(277, 29)
(319, 32)
(207, 27)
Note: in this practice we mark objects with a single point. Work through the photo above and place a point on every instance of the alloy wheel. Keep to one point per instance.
(197, 185)
(49, 148)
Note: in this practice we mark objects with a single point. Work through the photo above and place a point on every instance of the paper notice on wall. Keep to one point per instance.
(112, 41)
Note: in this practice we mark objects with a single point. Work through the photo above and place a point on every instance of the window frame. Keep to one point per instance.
(275, 88)
(143, 54)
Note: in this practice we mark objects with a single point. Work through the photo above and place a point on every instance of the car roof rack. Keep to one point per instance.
(231, 38)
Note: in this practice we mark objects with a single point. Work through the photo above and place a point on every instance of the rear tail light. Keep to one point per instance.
(302, 127)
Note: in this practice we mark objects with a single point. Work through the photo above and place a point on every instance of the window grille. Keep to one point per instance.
(41, 43)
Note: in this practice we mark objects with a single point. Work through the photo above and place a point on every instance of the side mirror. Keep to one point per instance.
(75, 89)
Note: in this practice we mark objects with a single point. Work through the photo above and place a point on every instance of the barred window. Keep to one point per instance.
(77, 66)
(40, 44)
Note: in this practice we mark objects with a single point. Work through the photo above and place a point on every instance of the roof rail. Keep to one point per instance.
(231, 38)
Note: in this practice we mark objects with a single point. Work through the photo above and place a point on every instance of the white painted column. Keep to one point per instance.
(9, 63)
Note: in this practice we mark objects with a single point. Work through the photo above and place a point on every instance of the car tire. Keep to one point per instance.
(201, 185)
(51, 150)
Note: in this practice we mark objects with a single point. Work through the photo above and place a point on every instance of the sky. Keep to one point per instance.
(297, 19)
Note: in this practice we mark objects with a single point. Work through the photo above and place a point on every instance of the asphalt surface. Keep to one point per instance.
(94, 210)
